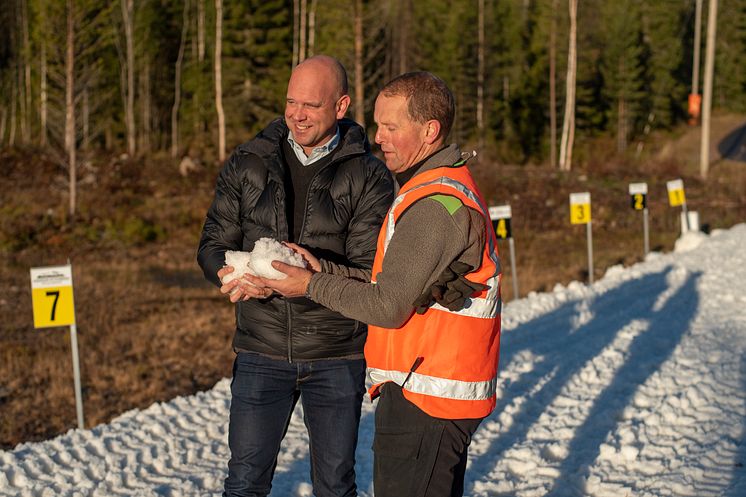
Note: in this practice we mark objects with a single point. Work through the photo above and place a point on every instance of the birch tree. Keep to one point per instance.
(129, 71)
(219, 78)
(568, 127)
(359, 82)
(177, 82)
(70, 142)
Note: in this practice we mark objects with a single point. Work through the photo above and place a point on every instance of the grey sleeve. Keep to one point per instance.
(426, 241)
(346, 271)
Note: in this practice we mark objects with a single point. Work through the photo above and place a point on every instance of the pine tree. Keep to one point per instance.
(622, 68)
(664, 24)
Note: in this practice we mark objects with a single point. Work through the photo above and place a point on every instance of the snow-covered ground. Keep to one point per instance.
(635, 386)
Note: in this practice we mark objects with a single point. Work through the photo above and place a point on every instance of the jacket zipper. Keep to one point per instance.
(298, 241)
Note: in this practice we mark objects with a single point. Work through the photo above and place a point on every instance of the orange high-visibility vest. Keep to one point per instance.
(456, 352)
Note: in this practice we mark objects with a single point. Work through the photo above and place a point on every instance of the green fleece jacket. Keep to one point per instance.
(429, 236)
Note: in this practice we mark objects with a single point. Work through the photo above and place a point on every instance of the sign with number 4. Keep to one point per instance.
(500, 216)
(52, 296)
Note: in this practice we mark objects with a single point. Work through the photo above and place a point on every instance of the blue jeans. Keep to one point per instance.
(264, 392)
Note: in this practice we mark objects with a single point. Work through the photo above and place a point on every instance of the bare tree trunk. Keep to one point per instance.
(568, 128)
(553, 86)
(86, 121)
(697, 42)
(146, 106)
(200, 28)
(403, 28)
(296, 31)
(303, 31)
(219, 78)
(70, 106)
(13, 104)
(129, 109)
(621, 140)
(177, 81)
(480, 77)
(312, 28)
(3, 121)
(26, 123)
(704, 153)
(359, 82)
(43, 94)
(22, 111)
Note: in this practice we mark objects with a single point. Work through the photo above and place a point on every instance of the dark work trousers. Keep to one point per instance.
(263, 394)
(417, 455)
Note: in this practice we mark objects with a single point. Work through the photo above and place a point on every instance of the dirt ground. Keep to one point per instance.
(151, 328)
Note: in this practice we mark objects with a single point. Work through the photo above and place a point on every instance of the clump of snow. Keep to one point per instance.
(239, 261)
(689, 241)
(258, 262)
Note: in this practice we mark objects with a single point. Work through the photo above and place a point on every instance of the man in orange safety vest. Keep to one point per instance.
(432, 298)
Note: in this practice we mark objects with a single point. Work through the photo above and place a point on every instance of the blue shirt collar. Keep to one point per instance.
(318, 152)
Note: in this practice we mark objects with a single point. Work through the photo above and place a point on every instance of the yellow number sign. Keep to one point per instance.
(580, 208)
(676, 195)
(52, 296)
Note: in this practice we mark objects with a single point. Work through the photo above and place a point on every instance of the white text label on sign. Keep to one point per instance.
(580, 208)
(52, 296)
(500, 212)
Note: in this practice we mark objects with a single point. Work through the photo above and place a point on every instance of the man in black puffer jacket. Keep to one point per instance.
(308, 178)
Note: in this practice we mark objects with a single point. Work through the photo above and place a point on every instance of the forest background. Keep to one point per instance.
(116, 115)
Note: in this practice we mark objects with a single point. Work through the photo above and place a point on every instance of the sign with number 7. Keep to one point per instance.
(52, 296)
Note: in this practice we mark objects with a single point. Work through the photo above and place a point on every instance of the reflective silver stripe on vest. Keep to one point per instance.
(490, 305)
(437, 387)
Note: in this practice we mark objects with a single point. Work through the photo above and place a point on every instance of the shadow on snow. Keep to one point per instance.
(565, 349)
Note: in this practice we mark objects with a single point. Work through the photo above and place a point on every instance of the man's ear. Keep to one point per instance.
(432, 131)
(342, 104)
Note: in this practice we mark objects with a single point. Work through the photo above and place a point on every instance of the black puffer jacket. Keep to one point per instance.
(347, 200)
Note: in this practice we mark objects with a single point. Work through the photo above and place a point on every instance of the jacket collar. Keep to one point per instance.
(448, 156)
(266, 144)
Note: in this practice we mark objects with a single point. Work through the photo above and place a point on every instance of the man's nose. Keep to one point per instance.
(299, 112)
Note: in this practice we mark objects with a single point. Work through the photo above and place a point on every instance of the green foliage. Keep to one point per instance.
(664, 25)
(622, 67)
(133, 230)
(730, 58)
(634, 65)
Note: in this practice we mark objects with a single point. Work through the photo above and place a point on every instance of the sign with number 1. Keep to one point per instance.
(52, 296)
(676, 196)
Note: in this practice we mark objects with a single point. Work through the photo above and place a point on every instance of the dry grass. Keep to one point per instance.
(150, 328)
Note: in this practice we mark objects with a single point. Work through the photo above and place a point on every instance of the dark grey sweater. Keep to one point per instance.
(427, 240)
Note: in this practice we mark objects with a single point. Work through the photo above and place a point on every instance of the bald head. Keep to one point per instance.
(330, 69)
(316, 99)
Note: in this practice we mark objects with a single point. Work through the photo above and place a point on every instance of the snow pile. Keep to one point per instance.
(689, 241)
(258, 262)
(635, 386)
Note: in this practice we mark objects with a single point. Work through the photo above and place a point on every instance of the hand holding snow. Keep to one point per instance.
(258, 262)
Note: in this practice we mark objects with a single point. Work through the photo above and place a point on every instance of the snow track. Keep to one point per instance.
(633, 387)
